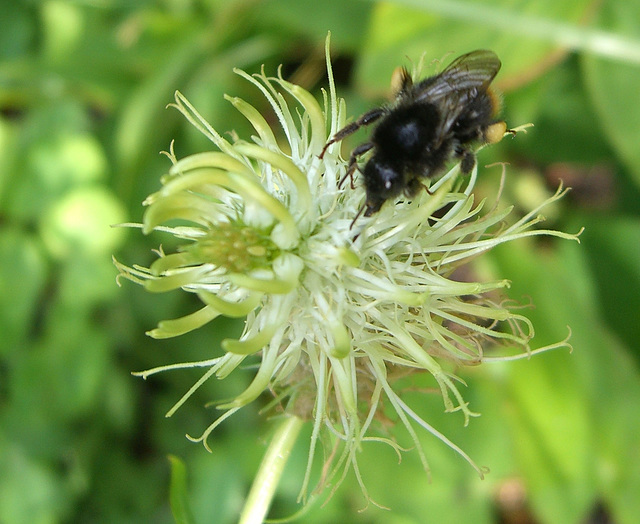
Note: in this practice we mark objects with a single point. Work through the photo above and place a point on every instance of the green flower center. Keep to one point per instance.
(236, 247)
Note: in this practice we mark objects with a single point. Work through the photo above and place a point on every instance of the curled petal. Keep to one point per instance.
(257, 121)
(259, 383)
(250, 345)
(285, 165)
(312, 110)
(204, 160)
(182, 325)
(170, 262)
(231, 309)
(178, 279)
(181, 206)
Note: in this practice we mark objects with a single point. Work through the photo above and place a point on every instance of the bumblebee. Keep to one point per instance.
(430, 123)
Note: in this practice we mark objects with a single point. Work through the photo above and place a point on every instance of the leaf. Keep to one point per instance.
(613, 86)
(23, 274)
(616, 275)
(178, 496)
(447, 29)
(614, 90)
(574, 420)
(346, 20)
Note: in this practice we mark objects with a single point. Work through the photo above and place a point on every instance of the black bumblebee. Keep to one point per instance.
(430, 122)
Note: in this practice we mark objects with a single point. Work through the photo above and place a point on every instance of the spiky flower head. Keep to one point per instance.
(333, 312)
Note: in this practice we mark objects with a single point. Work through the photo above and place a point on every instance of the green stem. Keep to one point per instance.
(266, 481)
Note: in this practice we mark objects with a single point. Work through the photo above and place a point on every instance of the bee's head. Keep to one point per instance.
(382, 181)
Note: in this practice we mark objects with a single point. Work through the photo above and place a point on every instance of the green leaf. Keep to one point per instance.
(447, 29)
(552, 436)
(613, 86)
(550, 416)
(23, 274)
(567, 128)
(178, 492)
(29, 489)
(574, 421)
(144, 115)
(346, 20)
(614, 90)
(616, 275)
(614, 381)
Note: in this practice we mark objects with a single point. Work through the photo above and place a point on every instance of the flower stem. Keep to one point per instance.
(266, 481)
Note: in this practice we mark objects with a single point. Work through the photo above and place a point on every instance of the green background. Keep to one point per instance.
(83, 90)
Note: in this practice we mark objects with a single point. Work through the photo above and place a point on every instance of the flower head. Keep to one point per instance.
(332, 310)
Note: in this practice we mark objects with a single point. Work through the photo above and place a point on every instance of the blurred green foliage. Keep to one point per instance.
(83, 90)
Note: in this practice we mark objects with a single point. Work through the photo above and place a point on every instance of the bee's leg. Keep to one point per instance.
(494, 132)
(414, 185)
(368, 118)
(353, 162)
(467, 160)
(356, 218)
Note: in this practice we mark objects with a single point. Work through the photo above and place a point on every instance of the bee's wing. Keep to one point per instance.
(459, 83)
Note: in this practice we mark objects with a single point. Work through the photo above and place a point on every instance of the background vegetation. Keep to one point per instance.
(83, 90)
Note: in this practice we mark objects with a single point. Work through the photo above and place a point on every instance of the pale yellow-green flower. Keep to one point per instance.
(266, 235)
